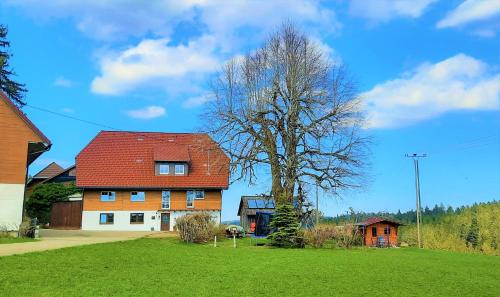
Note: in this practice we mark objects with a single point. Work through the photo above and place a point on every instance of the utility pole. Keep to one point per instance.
(415, 158)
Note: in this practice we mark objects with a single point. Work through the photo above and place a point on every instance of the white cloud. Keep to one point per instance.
(228, 21)
(470, 11)
(385, 10)
(457, 83)
(152, 60)
(147, 113)
(218, 29)
(108, 19)
(197, 101)
(63, 82)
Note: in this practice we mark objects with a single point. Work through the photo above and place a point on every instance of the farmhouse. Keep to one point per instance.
(250, 206)
(379, 232)
(21, 144)
(143, 181)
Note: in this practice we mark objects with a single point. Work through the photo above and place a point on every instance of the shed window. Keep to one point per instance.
(137, 196)
(137, 218)
(387, 230)
(164, 169)
(106, 218)
(374, 231)
(108, 196)
(179, 169)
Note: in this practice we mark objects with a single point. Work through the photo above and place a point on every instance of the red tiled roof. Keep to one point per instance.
(374, 220)
(21, 114)
(171, 152)
(50, 170)
(126, 160)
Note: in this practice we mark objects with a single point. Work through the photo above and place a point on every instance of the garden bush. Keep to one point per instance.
(347, 236)
(317, 236)
(39, 204)
(196, 228)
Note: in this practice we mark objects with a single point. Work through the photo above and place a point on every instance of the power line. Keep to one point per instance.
(73, 118)
(489, 140)
(143, 134)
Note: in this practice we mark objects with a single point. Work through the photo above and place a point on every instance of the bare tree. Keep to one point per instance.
(288, 106)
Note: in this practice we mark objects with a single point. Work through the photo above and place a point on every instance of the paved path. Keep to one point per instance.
(56, 239)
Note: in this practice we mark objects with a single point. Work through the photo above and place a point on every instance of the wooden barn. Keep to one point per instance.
(379, 232)
(249, 206)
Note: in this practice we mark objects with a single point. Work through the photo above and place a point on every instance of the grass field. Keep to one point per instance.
(4, 240)
(166, 267)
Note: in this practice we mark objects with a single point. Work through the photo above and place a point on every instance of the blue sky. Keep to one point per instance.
(428, 70)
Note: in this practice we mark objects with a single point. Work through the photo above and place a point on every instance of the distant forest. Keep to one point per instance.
(429, 215)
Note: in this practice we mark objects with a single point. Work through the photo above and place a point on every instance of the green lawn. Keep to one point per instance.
(165, 267)
(14, 239)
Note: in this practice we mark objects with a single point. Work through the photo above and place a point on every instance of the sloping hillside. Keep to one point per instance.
(474, 228)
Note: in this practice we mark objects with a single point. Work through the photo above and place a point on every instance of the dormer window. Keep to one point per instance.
(164, 169)
(179, 169)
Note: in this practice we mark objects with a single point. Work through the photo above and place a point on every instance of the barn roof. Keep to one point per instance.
(374, 220)
(49, 171)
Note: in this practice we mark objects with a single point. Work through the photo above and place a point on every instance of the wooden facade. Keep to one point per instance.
(20, 144)
(379, 232)
(247, 213)
(16, 138)
(152, 201)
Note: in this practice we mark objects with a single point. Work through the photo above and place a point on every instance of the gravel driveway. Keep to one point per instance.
(56, 239)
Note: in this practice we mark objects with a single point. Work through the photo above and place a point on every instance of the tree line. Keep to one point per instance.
(429, 215)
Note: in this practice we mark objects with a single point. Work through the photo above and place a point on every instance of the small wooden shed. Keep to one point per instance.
(250, 205)
(379, 232)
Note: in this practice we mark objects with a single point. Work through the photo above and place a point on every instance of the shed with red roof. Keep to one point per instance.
(377, 231)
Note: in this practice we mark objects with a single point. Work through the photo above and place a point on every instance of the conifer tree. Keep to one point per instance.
(13, 89)
(287, 228)
(472, 239)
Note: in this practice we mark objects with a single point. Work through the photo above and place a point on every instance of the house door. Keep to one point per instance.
(165, 222)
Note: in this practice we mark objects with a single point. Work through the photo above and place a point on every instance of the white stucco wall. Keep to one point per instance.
(90, 220)
(11, 206)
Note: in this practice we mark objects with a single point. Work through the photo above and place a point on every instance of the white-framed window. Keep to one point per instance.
(179, 169)
(137, 196)
(108, 196)
(190, 196)
(137, 218)
(165, 199)
(106, 218)
(163, 169)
